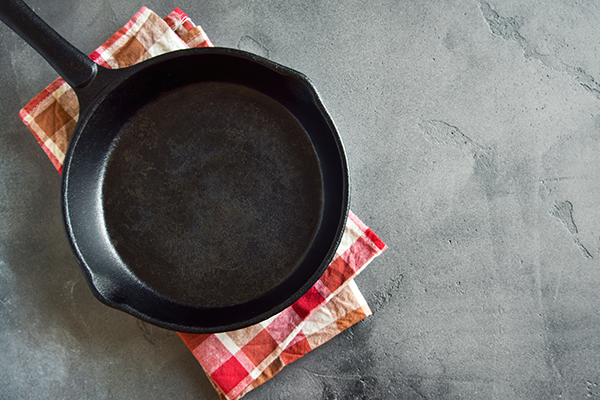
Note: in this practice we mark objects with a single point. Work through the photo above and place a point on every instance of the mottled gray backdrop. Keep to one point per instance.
(472, 131)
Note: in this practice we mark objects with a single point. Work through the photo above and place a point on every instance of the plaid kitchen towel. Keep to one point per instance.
(238, 361)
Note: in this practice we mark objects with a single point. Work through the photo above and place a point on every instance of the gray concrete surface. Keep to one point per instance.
(472, 130)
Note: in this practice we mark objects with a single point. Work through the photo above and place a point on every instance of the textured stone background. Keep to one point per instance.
(472, 131)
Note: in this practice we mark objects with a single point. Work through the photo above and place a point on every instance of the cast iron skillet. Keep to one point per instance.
(204, 190)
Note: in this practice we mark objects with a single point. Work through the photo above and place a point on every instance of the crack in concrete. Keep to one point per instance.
(417, 392)
(563, 211)
(113, 14)
(508, 28)
(583, 249)
(441, 132)
(248, 43)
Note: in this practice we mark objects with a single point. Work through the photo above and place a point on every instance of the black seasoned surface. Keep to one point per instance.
(216, 202)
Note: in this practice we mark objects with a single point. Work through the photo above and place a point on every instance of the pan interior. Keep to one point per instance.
(212, 194)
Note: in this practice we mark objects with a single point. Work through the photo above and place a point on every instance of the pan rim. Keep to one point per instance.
(95, 281)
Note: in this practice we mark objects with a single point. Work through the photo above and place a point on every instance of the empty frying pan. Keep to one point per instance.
(203, 190)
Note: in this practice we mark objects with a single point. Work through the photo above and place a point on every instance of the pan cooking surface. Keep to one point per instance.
(204, 191)
(215, 203)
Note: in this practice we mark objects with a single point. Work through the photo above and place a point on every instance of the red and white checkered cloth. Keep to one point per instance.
(238, 361)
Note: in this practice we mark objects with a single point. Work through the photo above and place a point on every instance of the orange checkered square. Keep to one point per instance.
(260, 347)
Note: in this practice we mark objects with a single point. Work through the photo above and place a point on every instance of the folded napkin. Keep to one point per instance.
(237, 361)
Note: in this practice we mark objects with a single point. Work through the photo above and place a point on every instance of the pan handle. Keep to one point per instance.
(73, 66)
